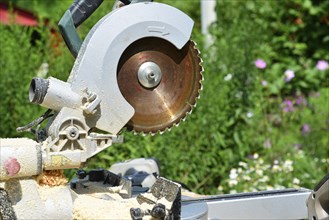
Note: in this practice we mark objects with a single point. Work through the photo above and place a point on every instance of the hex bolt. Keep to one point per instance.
(158, 211)
(81, 174)
(72, 133)
(136, 214)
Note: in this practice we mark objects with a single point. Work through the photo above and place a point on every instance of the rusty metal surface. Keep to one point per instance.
(161, 107)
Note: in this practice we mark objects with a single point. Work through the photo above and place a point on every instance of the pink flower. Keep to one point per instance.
(322, 65)
(289, 75)
(260, 64)
(264, 83)
(288, 106)
(267, 143)
(305, 129)
(300, 101)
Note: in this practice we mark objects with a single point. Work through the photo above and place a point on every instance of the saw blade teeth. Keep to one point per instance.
(198, 62)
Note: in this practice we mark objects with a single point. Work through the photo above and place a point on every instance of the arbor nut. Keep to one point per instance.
(149, 75)
(12, 166)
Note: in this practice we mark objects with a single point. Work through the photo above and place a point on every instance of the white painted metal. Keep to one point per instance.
(23, 153)
(59, 95)
(289, 205)
(208, 16)
(97, 62)
(32, 201)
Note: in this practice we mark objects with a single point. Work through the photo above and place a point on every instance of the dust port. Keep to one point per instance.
(38, 90)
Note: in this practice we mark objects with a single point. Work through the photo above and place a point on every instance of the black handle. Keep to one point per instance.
(82, 9)
(126, 2)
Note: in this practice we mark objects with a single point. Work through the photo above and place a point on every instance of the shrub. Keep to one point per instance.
(243, 110)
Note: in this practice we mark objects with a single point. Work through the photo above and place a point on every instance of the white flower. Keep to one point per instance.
(296, 181)
(261, 161)
(238, 95)
(250, 114)
(233, 174)
(255, 156)
(287, 166)
(43, 70)
(246, 178)
(289, 75)
(264, 179)
(279, 187)
(259, 172)
(243, 164)
(233, 191)
(276, 168)
(325, 160)
(267, 166)
(228, 77)
(232, 183)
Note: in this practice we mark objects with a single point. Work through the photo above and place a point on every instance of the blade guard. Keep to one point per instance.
(95, 68)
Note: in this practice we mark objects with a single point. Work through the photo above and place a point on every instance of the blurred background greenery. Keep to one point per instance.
(263, 118)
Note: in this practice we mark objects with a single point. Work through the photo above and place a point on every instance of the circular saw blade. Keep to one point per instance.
(169, 101)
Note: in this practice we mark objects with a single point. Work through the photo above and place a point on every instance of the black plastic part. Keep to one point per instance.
(104, 176)
(40, 135)
(37, 121)
(176, 209)
(73, 184)
(126, 2)
(136, 190)
(6, 210)
(82, 9)
(136, 177)
(111, 178)
(69, 33)
(322, 181)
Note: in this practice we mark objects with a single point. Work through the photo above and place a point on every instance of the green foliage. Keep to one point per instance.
(19, 61)
(23, 51)
(237, 117)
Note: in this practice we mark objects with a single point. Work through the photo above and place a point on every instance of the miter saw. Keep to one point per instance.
(138, 70)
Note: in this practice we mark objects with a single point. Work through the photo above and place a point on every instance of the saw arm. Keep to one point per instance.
(136, 68)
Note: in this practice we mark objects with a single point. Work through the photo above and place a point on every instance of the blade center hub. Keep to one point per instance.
(149, 74)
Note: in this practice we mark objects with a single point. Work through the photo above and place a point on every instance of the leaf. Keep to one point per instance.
(237, 139)
(303, 84)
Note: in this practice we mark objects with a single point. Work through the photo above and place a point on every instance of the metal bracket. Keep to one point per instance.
(275, 204)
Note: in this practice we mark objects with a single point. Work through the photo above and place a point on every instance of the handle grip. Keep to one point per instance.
(82, 9)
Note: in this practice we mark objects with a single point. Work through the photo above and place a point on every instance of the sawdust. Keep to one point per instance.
(90, 207)
(96, 201)
(52, 178)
